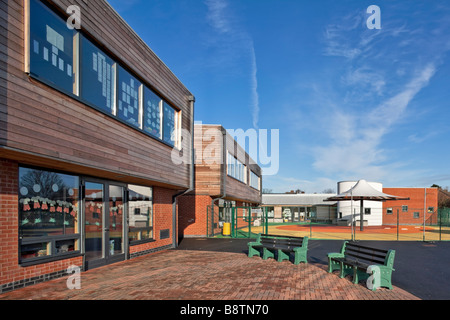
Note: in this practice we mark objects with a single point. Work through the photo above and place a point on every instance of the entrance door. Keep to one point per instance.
(103, 223)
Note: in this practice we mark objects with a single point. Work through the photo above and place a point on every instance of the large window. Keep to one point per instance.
(97, 77)
(48, 214)
(66, 60)
(170, 123)
(140, 214)
(254, 180)
(51, 48)
(152, 113)
(128, 98)
(236, 168)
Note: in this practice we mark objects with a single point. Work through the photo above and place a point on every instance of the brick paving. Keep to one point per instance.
(206, 275)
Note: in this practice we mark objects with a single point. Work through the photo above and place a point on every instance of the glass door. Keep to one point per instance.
(116, 245)
(103, 223)
(94, 226)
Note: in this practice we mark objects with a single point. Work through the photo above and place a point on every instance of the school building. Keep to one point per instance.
(225, 176)
(422, 207)
(89, 119)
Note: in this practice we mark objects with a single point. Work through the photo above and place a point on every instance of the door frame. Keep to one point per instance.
(106, 257)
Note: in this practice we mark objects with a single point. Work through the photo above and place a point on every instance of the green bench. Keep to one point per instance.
(282, 245)
(361, 261)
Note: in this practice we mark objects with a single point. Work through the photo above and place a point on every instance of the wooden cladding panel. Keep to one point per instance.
(237, 190)
(211, 178)
(97, 19)
(208, 169)
(42, 122)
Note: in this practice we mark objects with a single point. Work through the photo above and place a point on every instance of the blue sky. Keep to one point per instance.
(349, 102)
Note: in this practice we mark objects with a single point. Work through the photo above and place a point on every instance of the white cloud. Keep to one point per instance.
(355, 149)
(238, 44)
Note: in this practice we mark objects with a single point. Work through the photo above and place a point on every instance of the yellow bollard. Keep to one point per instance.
(226, 231)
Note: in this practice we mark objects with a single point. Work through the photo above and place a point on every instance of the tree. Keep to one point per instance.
(297, 191)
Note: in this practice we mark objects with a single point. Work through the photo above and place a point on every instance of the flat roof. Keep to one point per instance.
(299, 199)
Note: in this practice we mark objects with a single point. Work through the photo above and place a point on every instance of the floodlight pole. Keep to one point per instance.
(352, 214)
(424, 212)
(361, 216)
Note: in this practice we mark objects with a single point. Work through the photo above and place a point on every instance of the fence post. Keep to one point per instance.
(207, 221)
(249, 221)
(267, 220)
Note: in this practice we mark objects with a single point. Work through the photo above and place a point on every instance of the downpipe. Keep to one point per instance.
(191, 179)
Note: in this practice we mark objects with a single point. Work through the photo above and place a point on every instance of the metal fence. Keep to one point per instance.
(236, 222)
(391, 224)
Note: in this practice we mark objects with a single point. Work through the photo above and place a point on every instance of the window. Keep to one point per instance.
(51, 48)
(48, 214)
(236, 169)
(367, 210)
(430, 209)
(254, 180)
(140, 214)
(416, 215)
(152, 113)
(128, 98)
(404, 208)
(98, 75)
(169, 125)
(66, 60)
(270, 212)
(389, 211)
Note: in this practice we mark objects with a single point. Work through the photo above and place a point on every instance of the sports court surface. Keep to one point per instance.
(334, 232)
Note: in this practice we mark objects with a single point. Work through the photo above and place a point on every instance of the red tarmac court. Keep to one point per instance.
(345, 229)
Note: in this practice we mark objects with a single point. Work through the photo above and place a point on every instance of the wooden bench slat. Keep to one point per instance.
(284, 244)
(359, 258)
(367, 254)
(365, 247)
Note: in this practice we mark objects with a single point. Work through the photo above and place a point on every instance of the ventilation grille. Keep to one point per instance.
(164, 234)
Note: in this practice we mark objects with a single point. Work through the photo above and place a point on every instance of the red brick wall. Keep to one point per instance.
(192, 217)
(162, 219)
(10, 270)
(415, 204)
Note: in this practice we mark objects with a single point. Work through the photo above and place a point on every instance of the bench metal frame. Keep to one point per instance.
(355, 260)
(282, 245)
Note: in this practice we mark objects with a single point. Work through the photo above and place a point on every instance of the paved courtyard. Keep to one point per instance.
(206, 275)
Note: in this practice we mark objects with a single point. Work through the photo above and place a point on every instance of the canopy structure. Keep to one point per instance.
(362, 190)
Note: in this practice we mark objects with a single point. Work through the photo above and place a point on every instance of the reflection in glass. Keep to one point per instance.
(35, 250)
(254, 180)
(116, 209)
(93, 210)
(97, 76)
(140, 213)
(152, 113)
(128, 98)
(51, 47)
(48, 203)
(169, 132)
